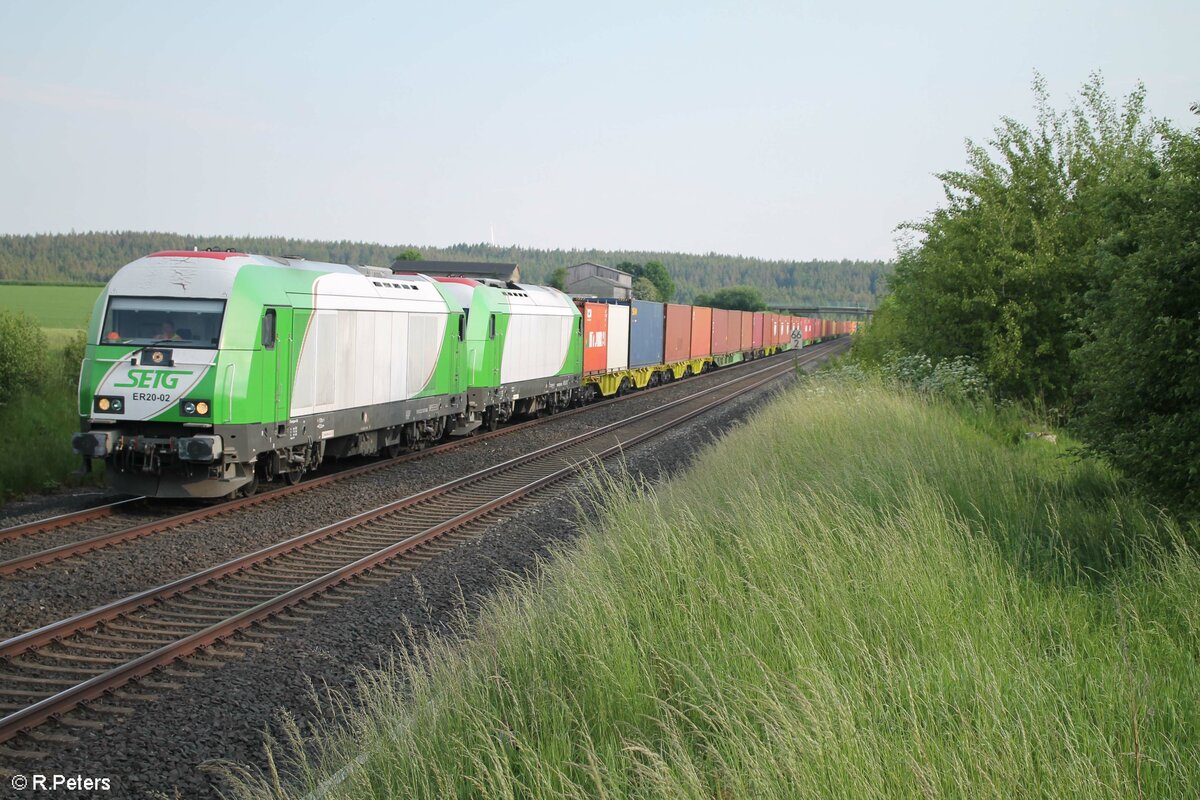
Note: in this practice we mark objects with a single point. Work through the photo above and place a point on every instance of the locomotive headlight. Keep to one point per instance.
(194, 408)
(108, 405)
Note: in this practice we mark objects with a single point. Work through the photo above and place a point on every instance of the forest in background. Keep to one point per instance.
(93, 257)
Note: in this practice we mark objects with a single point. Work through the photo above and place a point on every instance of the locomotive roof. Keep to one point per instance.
(204, 273)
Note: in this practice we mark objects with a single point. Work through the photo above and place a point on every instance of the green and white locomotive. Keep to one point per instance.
(206, 372)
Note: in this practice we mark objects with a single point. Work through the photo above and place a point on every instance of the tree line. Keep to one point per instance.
(1066, 264)
(93, 257)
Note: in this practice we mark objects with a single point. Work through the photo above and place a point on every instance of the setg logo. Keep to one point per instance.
(152, 379)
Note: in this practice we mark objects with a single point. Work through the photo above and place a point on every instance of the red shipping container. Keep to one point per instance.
(701, 332)
(678, 337)
(721, 323)
(747, 331)
(756, 332)
(774, 330)
(595, 337)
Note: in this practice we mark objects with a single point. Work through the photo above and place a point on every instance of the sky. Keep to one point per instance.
(785, 130)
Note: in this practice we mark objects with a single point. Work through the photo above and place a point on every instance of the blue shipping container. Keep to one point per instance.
(646, 321)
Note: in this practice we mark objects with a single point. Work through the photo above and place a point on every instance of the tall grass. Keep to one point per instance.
(863, 593)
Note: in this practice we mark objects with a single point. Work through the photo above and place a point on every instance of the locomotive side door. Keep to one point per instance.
(276, 342)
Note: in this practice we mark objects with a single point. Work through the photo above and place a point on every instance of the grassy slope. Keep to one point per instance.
(862, 594)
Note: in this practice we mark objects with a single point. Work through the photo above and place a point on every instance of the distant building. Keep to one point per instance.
(597, 280)
(479, 270)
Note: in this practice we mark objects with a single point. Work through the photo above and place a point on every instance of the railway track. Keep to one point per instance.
(103, 526)
(49, 673)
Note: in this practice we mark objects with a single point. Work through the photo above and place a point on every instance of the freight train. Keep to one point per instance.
(207, 372)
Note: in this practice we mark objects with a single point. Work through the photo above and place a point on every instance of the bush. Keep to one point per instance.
(22, 355)
(38, 407)
(1139, 363)
(958, 379)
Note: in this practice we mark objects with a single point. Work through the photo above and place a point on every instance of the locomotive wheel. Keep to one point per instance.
(250, 488)
(292, 476)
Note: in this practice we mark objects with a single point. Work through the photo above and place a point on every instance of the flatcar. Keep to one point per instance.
(206, 373)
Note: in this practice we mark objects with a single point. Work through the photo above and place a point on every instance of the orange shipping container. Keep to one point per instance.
(722, 321)
(701, 332)
(677, 344)
(747, 332)
(595, 337)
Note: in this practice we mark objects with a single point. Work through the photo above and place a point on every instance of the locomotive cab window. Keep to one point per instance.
(492, 326)
(268, 329)
(170, 321)
(462, 327)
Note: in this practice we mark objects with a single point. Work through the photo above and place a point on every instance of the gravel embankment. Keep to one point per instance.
(38, 597)
(222, 713)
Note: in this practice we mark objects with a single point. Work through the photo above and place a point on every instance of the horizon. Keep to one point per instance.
(422, 247)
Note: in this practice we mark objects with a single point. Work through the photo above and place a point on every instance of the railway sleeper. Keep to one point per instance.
(224, 649)
(180, 672)
(108, 648)
(256, 633)
(26, 693)
(199, 661)
(83, 674)
(242, 643)
(203, 604)
(288, 572)
(32, 755)
(39, 735)
(108, 638)
(162, 632)
(29, 680)
(248, 594)
(73, 720)
(185, 617)
(142, 633)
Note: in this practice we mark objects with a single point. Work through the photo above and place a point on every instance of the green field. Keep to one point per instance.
(941, 609)
(59, 310)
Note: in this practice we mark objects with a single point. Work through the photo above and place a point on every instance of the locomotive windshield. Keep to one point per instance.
(158, 320)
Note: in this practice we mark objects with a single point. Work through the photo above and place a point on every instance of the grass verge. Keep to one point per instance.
(863, 593)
